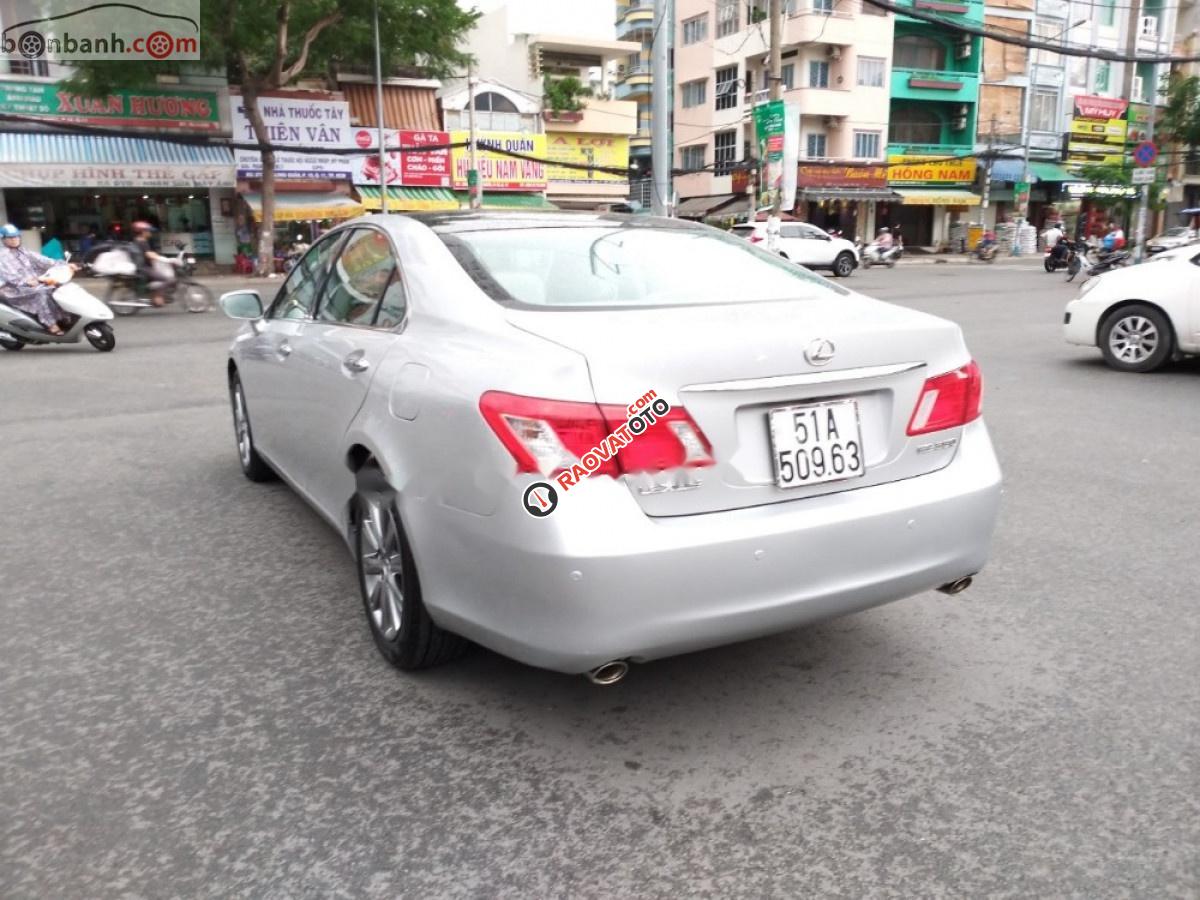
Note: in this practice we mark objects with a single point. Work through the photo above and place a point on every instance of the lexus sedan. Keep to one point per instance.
(586, 440)
(1141, 316)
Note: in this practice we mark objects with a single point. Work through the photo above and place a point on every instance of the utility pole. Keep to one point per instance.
(474, 187)
(776, 80)
(660, 115)
(1135, 14)
(383, 188)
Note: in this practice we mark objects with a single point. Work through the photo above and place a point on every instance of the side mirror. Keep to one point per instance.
(242, 305)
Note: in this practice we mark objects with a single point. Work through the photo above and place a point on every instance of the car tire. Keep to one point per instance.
(1136, 338)
(843, 265)
(254, 466)
(403, 631)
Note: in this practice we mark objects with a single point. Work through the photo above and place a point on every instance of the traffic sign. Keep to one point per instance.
(1145, 153)
(1143, 176)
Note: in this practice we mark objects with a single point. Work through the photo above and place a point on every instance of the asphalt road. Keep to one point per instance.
(191, 706)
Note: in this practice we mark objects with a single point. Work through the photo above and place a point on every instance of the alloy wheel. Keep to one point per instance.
(241, 426)
(1134, 339)
(381, 562)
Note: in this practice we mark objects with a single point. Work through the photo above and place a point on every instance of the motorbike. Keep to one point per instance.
(874, 255)
(87, 317)
(984, 254)
(1070, 260)
(1101, 261)
(127, 287)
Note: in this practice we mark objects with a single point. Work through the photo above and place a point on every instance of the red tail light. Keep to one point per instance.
(755, 238)
(549, 436)
(545, 436)
(948, 401)
(673, 441)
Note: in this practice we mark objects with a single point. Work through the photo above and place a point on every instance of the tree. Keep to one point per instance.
(1180, 119)
(266, 45)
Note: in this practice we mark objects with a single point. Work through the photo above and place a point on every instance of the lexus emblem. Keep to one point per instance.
(819, 352)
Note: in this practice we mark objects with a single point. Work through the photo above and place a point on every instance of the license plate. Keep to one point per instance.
(816, 443)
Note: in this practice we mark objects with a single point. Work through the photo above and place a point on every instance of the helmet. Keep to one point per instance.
(10, 231)
(882, 230)
(141, 226)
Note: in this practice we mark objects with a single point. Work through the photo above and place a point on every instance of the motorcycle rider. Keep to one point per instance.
(20, 281)
(144, 257)
(884, 241)
(1055, 241)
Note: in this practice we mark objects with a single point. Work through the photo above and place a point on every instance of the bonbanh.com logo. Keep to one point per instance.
(74, 30)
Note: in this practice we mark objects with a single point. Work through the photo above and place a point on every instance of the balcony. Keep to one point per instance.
(822, 101)
(635, 84)
(639, 143)
(942, 84)
(954, 10)
(636, 20)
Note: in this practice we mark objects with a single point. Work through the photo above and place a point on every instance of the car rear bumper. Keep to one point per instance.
(599, 580)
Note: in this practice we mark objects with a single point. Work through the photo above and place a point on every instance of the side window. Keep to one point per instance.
(811, 234)
(360, 279)
(790, 231)
(299, 292)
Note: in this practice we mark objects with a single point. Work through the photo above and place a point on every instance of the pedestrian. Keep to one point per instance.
(20, 288)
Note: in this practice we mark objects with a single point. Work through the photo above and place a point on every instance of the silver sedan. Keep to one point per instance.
(587, 440)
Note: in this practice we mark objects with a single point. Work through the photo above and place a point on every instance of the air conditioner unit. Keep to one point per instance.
(834, 52)
(962, 50)
(1138, 87)
(959, 123)
(1148, 27)
(963, 111)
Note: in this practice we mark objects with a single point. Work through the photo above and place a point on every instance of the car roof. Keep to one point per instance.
(513, 220)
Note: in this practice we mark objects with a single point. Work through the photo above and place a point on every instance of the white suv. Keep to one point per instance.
(807, 245)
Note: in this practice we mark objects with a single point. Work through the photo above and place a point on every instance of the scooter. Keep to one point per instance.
(1107, 260)
(89, 317)
(1052, 262)
(984, 254)
(874, 255)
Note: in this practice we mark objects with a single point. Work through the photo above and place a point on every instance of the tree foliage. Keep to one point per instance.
(1180, 119)
(266, 45)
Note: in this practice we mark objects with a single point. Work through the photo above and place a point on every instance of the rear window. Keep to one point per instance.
(621, 266)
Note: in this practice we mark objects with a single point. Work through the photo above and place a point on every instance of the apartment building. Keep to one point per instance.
(932, 120)
(836, 75)
(516, 55)
(635, 83)
(1028, 96)
(1183, 164)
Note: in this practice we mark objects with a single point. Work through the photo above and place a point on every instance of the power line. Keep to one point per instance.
(1030, 43)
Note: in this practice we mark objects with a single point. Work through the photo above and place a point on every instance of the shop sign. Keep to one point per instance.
(1098, 131)
(769, 123)
(929, 169)
(298, 121)
(410, 168)
(1080, 189)
(1089, 107)
(178, 110)
(609, 150)
(497, 171)
(832, 176)
(114, 175)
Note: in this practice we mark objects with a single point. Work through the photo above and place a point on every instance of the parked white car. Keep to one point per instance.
(1178, 236)
(1140, 316)
(807, 245)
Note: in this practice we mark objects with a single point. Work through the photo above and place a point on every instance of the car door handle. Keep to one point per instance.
(285, 349)
(355, 362)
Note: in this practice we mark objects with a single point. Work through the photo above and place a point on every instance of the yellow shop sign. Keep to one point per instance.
(929, 169)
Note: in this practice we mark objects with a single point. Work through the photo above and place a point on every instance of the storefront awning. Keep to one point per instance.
(699, 207)
(100, 161)
(508, 200)
(937, 197)
(1048, 171)
(409, 199)
(852, 195)
(302, 207)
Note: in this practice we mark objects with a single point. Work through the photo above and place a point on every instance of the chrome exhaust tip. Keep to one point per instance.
(956, 587)
(609, 672)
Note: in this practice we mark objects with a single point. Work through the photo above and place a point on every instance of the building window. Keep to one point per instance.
(727, 17)
(822, 6)
(818, 74)
(1044, 114)
(870, 71)
(788, 73)
(1103, 70)
(815, 146)
(1108, 12)
(727, 82)
(695, 29)
(38, 68)
(866, 144)
(691, 158)
(915, 125)
(913, 51)
(695, 93)
(724, 152)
